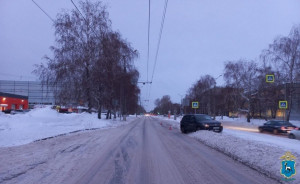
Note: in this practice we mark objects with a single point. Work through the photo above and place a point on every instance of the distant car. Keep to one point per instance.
(294, 134)
(17, 112)
(64, 110)
(277, 126)
(7, 111)
(194, 122)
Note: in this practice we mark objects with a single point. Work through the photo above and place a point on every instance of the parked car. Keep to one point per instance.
(7, 111)
(294, 134)
(17, 112)
(64, 110)
(194, 122)
(277, 126)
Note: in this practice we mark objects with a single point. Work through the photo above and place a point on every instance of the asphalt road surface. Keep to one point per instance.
(142, 152)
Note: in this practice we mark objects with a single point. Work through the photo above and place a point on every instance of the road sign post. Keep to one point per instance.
(283, 105)
(195, 105)
(270, 78)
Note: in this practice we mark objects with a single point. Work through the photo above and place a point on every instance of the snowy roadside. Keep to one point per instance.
(242, 122)
(259, 151)
(45, 122)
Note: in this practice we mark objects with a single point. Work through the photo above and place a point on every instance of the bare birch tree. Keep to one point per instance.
(284, 57)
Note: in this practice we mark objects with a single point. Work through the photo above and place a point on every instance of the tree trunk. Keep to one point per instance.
(248, 117)
(290, 102)
(115, 116)
(289, 109)
(99, 112)
(88, 89)
(108, 114)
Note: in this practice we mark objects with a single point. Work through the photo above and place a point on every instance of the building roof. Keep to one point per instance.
(13, 95)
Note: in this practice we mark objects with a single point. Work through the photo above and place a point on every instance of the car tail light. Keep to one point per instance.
(282, 128)
(296, 128)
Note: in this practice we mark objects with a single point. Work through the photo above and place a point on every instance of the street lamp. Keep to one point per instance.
(180, 103)
(215, 96)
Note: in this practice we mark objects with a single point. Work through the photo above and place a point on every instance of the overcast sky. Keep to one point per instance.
(198, 36)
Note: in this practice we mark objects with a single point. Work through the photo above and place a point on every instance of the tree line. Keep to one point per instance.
(91, 64)
(246, 89)
(164, 105)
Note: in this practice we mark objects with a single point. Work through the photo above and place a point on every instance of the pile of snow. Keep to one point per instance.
(45, 122)
(259, 151)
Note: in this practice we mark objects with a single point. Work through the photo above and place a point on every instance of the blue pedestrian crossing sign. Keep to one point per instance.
(195, 105)
(270, 78)
(283, 105)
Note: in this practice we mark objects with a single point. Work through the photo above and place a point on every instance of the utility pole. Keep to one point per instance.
(215, 96)
(180, 103)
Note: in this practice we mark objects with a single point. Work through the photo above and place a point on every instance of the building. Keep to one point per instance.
(13, 102)
(36, 91)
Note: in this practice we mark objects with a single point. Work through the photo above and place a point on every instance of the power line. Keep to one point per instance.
(158, 44)
(160, 33)
(85, 19)
(148, 40)
(79, 11)
(43, 11)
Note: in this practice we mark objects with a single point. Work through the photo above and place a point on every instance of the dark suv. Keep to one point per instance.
(194, 122)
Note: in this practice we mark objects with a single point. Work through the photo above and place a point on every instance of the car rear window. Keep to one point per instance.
(186, 118)
(203, 117)
(285, 123)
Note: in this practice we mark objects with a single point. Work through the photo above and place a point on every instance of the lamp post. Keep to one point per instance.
(215, 95)
(180, 103)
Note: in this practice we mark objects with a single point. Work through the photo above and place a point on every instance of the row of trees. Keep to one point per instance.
(246, 87)
(91, 63)
(164, 105)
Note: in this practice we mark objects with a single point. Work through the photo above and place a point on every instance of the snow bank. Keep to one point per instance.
(243, 121)
(45, 122)
(259, 151)
(260, 154)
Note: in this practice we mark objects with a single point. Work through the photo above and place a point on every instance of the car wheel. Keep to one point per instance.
(260, 130)
(292, 136)
(275, 131)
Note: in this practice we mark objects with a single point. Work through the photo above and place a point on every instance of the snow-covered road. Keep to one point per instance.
(140, 152)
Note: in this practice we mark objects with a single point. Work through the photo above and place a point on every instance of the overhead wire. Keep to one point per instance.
(79, 11)
(159, 39)
(158, 44)
(85, 20)
(148, 39)
(43, 11)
